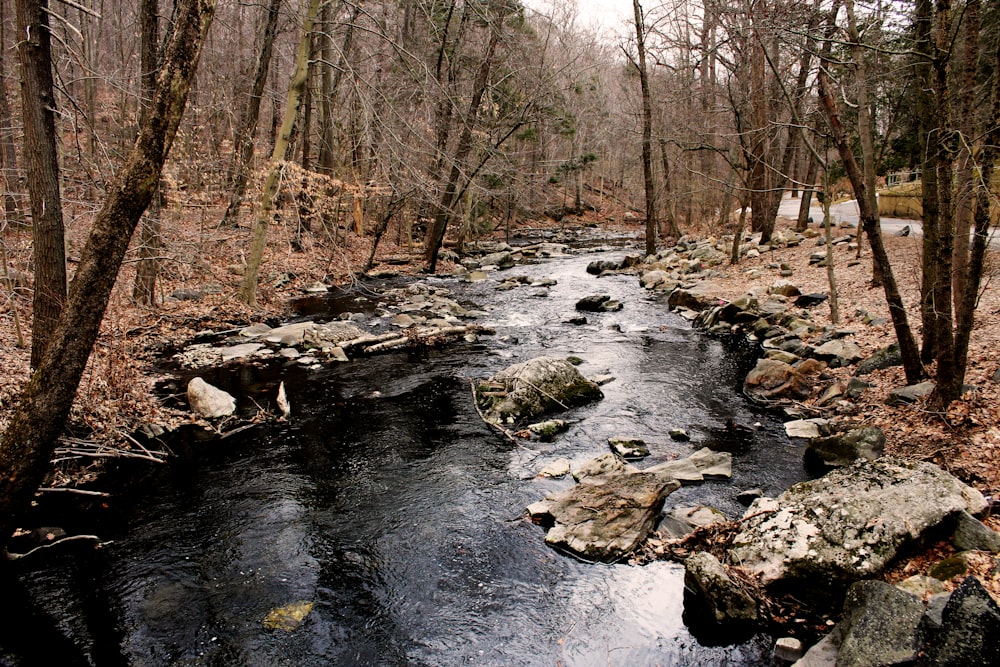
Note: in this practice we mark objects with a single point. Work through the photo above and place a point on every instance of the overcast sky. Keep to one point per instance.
(605, 15)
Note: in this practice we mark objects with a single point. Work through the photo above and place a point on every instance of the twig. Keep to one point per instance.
(504, 432)
(67, 489)
(72, 538)
(139, 445)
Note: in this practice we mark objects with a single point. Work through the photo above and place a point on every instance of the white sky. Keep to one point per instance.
(607, 16)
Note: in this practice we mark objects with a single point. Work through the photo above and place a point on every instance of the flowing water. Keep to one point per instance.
(388, 504)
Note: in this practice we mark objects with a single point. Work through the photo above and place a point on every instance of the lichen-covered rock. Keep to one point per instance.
(880, 625)
(772, 380)
(847, 525)
(844, 448)
(533, 388)
(970, 630)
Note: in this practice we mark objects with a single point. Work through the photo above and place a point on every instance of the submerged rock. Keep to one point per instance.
(849, 524)
(532, 388)
(710, 584)
(289, 617)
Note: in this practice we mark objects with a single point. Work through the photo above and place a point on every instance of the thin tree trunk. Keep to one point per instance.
(870, 223)
(668, 195)
(929, 197)
(30, 438)
(8, 153)
(647, 132)
(150, 239)
(244, 145)
(248, 288)
(831, 274)
(807, 191)
(964, 176)
(42, 165)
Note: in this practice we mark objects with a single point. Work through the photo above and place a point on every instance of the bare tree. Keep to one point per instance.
(647, 130)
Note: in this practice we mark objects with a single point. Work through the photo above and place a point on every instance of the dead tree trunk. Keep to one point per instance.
(28, 442)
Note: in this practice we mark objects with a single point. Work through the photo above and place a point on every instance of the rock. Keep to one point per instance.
(289, 334)
(577, 321)
(713, 465)
(651, 279)
(905, 231)
(883, 358)
(909, 394)
(602, 466)
(239, 351)
(848, 524)
(475, 276)
(594, 303)
(784, 288)
(971, 534)
(187, 295)
(996, 376)
(315, 288)
(601, 380)
(709, 582)
(788, 649)
(629, 448)
(696, 298)
(289, 353)
(208, 401)
(921, 586)
(532, 388)
(547, 430)
(255, 330)
(782, 356)
(832, 394)
(855, 388)
(772, 380)
(838, 352)
(810, 300)
(502, 260)
(598, 267)
(949, 568)
(678, 434)
(605, 518)
(806, 428)
(823, 653)
(558, 468)
(970, 630)
(880, 625)
(289, 617)
(843, 449)
(683, 470)
(403, 321)
(680, 522)
(747, 497)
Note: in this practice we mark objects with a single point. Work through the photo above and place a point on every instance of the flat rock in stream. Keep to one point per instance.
(604, 517)
(850, 523)
(533, 388)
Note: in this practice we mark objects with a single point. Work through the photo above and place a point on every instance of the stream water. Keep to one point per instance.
(388, 503)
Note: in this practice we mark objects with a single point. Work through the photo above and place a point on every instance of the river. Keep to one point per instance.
(387, 503)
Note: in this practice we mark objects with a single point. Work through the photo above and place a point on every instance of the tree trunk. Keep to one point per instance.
(670, 221)
(30, 438)
(243, 144)
(870, 223)
(929, 198)
(647, 132)
(964, 176)
(248, 288)
(42, 166)
(807, 191)
(8, 153)
(150, 240)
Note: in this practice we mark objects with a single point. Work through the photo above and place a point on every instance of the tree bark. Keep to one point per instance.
(42, 166)
(929, 197)
(870, 223)
(647, 132)
(243, 144)
(30, 438)
(150, 239)
(8, 153)
(248, 288)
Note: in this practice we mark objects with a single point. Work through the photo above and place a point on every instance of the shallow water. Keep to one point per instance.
(391, 506)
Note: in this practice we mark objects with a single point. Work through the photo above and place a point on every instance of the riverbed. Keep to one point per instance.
(387, 503)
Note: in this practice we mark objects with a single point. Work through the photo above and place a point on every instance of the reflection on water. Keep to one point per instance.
(388, 504)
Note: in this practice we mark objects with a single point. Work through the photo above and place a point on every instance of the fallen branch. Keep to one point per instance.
(72, 538)
(67, 489)
(504, 432)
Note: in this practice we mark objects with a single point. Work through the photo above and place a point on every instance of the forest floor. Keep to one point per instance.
(116, 395)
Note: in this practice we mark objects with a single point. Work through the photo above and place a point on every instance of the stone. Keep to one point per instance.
(823, 653)
(532, 388)
(909, 394)
(603, 379)
(403, 321)
(605, 518)
(593, 304)
(629, 448)
(683, 470)
(255, 330)
(848, 524)
(921, 586)
(289, 353)
(187, 295)
(845, 448)
(709, 582)
(772, 380)
(558, 468)
(501, 260)
(680, 522)
(806, 428)
(475, 276)
(880, 625)
(949, 568)
(782, 356)
(712, 464)
(996, 376)
(838, 352)
(601, 466)
(651, 279)
(289, 617)
(810, 300)
(549, 429)
(289, 334)
(855, 388)
(747, 497)
(678, 434)
(784, 288)
(315, 288)
(971, 534)
(696, 298)
(883, 358)
(788, 649)
(832, 394)
(970, 629)
(239, 351)
(598, 267)
(208, 401)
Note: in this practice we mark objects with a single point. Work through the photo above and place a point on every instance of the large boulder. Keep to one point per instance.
(850, 523)
(532, 388)
(880, 625)
(710, 585)
(604, 517)
(970, 629)
(209, 401)
(772, 380)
